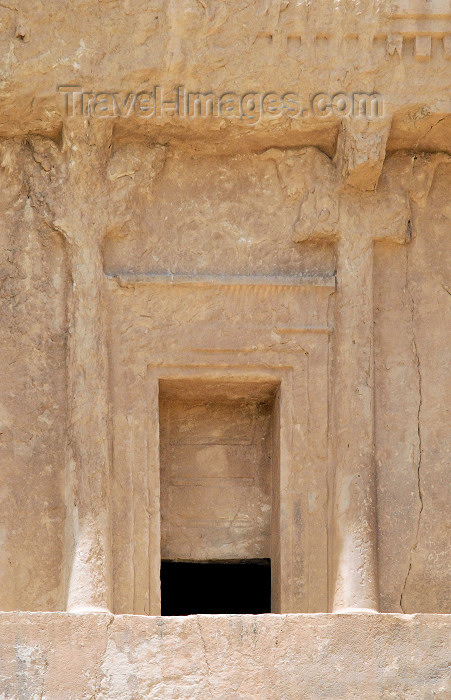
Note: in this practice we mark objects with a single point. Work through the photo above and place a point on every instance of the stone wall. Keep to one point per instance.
(412, 412)
(312, 241)
(225, 337)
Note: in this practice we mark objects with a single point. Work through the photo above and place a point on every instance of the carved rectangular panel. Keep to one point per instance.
(215, 461)
(237, 335)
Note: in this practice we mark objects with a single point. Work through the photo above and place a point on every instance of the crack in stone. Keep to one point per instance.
(420, 449)
(99, 672)
(205, 656)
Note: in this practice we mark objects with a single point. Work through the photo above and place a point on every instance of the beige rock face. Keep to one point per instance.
(241, 656)
(225, 336)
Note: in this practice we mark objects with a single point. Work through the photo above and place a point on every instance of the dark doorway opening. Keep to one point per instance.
(190, 588)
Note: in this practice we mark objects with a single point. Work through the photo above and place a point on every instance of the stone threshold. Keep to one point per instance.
(228, 657)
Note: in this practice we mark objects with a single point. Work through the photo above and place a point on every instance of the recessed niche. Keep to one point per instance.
(219, 461)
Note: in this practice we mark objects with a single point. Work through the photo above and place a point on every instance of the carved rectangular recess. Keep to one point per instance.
(219, 466)
(175, 349)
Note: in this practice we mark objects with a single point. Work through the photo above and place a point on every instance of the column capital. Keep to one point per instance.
(88, 167)
(329, 210)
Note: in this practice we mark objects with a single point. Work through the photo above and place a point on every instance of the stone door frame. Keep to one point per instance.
(299, 363)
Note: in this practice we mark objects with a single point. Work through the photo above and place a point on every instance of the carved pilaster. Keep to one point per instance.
(354, 512)
(89, 582)
(80, 168)
(83, 192)
(351, 219)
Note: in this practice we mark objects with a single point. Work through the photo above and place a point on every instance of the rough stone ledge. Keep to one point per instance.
(63, 655)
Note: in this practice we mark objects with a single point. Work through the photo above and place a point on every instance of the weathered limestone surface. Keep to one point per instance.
(222, 339)
(54, 656)
(412, 313)
(220, 333)
(33, 399)
(131, 45)
(141, 258)
(249, 215)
